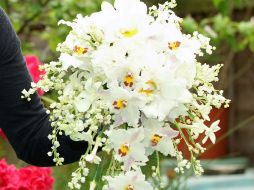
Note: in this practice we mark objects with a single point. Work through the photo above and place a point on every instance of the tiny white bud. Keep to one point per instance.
(49, 154)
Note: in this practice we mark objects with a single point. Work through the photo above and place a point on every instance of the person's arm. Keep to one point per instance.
(26, 124)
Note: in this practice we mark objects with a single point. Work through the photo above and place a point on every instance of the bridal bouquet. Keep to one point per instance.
(129, 83)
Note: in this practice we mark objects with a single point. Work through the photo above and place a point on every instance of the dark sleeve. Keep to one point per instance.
(26, 124)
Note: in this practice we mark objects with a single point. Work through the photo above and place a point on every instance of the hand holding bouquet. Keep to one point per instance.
(129, 83)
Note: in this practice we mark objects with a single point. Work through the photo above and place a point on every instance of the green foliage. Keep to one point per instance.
(190, 25)
(223, 6)
(223, 30)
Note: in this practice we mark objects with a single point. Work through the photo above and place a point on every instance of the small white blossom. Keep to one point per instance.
(210, 132)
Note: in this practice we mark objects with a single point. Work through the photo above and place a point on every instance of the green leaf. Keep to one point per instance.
(238, 3)
(251, 43)
(189, 25)
(222, 6)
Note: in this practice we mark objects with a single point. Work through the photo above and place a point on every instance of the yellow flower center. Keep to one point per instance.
(129, 33)
(80, 50)
(150, 90)
(174, 45)
(120, 104)
(124, 149)
(129, 187)
(155, 139)
(129, 80)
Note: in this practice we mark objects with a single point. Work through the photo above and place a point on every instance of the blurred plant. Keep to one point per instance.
(228, 34)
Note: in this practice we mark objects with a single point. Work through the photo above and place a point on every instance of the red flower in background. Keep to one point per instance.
(8, 176)
(28, 178)
(33, 63)
(34, 178)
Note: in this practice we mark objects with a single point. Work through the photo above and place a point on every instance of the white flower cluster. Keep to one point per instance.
(129, 83)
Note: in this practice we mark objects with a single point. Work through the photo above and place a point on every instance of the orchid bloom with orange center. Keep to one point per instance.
(128, 146)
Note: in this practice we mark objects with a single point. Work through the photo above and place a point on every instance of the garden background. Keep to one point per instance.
(229, 24)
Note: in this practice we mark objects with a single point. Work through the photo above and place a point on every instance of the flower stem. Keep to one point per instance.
(110, 164)
(47, 99)
(158, 165)
(182, 135)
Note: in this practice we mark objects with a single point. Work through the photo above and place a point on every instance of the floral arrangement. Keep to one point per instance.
(28, 178)
(129, 84)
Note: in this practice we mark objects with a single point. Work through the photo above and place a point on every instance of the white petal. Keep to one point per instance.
(212, 137)
(82, 105)
(205, 139)
(106, 6)
(68, 60)
(166, 147)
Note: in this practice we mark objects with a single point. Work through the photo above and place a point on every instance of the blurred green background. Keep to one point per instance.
(229, 24)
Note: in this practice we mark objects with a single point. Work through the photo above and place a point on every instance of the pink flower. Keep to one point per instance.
(28, 178)
(8, 176)
(33, 178)
(33, 66)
